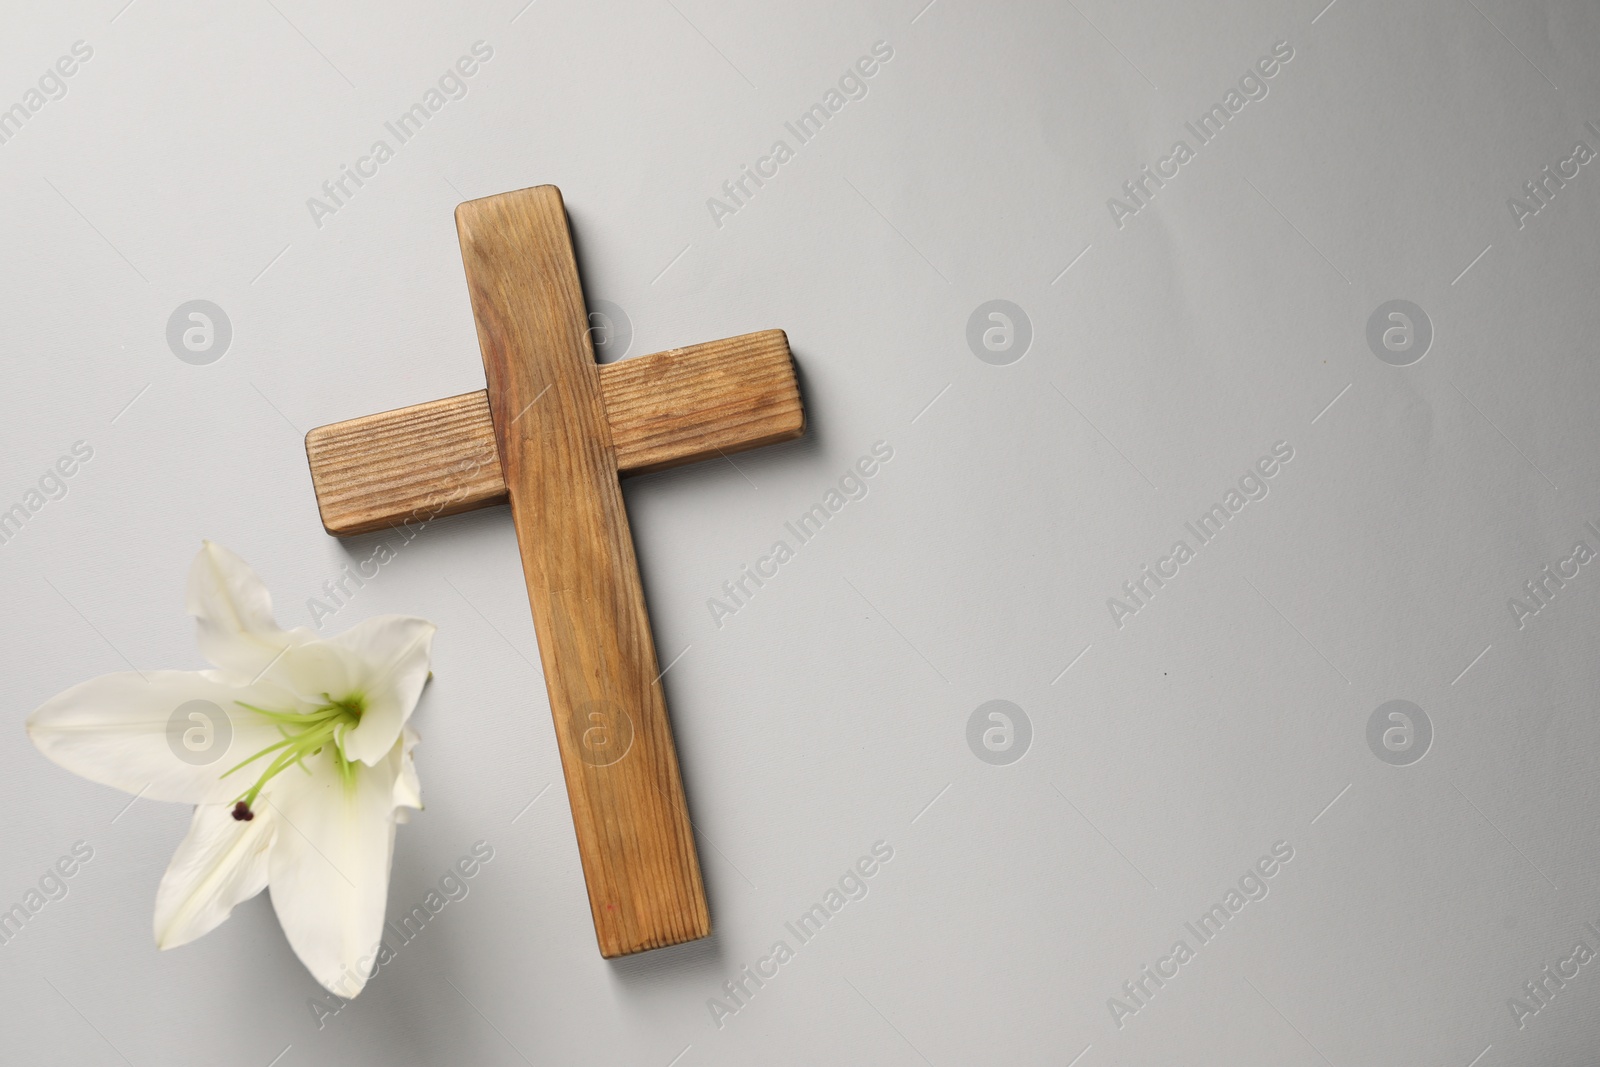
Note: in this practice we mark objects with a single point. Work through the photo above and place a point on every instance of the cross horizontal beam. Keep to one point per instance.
(665, 410)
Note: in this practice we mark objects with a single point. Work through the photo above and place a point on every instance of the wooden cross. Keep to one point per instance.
(551, 434)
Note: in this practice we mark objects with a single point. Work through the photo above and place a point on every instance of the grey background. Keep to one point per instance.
(831, 711)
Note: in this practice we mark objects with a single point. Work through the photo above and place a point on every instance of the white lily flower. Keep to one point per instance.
(311, 770)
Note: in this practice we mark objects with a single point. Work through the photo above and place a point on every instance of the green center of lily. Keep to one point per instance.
(305, 733)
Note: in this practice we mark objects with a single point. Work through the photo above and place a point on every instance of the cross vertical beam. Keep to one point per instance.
(559, 462)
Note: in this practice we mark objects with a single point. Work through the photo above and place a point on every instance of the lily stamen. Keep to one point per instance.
(305, 733)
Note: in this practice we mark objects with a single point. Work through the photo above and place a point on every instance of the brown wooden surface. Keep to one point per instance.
(666, 409)
(599, 659)
(689, 404)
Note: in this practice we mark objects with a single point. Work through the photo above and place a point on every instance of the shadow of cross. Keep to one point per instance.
(551, 434)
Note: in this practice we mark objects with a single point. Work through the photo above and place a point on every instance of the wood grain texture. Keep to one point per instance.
(404, 467)
(689, 404)
(599, 659)
(680, 406)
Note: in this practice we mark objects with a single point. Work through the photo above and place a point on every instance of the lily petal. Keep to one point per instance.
(407, 786)
(234, 610)
(329, 865)
(221, 862)
(164, 735)
(395, 651)
(316, 668)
